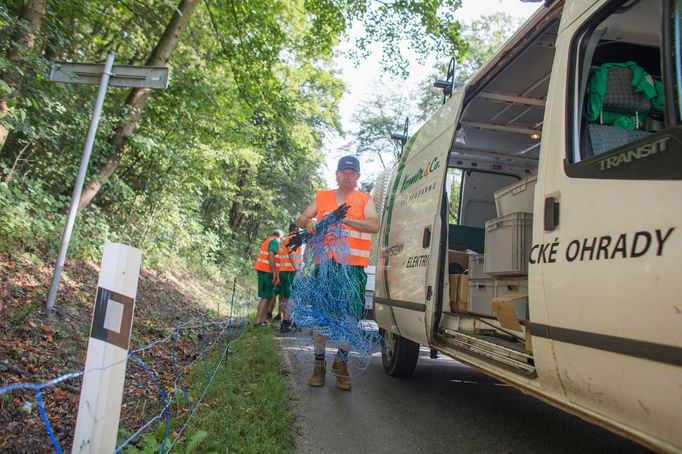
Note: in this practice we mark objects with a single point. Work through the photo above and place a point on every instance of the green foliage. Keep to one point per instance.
(195, 441)
(250, 391)
(148, 445)
(484, 36)
(455, 179)
(231, 150)
(377, 119)
(428, 25)
(26, 214)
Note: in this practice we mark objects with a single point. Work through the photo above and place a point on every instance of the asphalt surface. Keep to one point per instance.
(444, 407)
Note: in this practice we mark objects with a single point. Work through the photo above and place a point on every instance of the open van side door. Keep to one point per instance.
(410, 238)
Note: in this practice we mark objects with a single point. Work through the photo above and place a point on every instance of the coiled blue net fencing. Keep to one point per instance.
(186, 346)
(326, 296)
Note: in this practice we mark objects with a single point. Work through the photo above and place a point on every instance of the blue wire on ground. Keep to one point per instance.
(203, 344)
(241, 326)
(48, 427)
(178, 377)
(163, 399)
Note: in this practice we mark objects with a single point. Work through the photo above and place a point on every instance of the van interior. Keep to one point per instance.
(494, 158)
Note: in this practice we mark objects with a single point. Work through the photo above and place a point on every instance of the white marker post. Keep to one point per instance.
(99, 409)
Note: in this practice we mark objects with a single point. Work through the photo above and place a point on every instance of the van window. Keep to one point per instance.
(618, 127)
(453, 190)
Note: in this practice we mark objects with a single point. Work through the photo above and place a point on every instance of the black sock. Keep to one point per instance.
(319, 356)
(342, 355)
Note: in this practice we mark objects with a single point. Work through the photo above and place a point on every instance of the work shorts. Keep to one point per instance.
(356, 292)
(265, 287)
(286, 279)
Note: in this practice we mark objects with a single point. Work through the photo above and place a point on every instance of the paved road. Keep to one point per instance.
(445, 407)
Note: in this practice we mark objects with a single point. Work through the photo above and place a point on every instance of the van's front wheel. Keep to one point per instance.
(398, 355)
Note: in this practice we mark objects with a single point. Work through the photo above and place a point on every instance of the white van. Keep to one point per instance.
(569, 282)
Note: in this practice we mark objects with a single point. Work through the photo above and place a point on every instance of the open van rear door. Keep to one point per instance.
(411, 238)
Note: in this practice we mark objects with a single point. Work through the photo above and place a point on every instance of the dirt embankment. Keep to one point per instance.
(35, 347)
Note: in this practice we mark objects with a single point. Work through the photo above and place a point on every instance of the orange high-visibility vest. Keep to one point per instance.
(359, 242)
(262, 262)
(283, 261)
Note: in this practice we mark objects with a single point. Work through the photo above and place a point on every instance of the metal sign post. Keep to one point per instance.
(105, 75)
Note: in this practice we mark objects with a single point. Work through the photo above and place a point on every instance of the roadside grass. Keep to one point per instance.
(246, 408)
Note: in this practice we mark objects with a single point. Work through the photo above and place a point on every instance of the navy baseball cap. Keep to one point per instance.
(348, 162)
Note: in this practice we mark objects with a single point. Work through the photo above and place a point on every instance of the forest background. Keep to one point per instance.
(196, 175)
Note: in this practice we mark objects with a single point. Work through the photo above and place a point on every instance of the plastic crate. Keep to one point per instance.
(504, 287)
(508, 242)
(517, 197)
(476, 267)
(481, 291)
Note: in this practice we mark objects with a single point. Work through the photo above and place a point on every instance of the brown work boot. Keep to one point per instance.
(319, 371)
(340, 369)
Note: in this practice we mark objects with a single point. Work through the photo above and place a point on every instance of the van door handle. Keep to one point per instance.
(426, 237)
(551, 214)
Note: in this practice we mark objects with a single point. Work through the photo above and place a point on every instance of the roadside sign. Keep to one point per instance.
(102, 75)
(121, 75)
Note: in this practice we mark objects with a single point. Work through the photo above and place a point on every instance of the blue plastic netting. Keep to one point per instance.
(326, 296)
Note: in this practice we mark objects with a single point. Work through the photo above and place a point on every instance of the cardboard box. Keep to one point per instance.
(529, 344)
(454, 283)
(508, 286)
(460, 257)
(504, 311)
(459, 284)
(463, 293)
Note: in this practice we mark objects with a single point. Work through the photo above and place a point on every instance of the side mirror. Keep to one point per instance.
(402, 138)
(448, 84)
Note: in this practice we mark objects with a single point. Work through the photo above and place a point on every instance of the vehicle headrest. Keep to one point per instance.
(620, 94)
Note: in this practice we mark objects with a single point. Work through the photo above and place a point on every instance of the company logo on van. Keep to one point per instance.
(420, 174)
(627, 156)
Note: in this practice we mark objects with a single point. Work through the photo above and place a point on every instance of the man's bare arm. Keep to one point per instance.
(273, 267)
(305, 220)
(292, 258)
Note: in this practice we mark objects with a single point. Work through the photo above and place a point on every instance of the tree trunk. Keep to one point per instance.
(137, 100)
(236, 214)
(32, 13)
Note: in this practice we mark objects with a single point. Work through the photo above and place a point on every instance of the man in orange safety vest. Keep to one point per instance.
(288, 263)
(268, 276)
(360, 222)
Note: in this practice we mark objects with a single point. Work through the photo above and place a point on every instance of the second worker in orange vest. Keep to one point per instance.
(268, 276)
(361, 221)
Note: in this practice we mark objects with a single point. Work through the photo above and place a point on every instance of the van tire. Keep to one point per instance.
(398, 355)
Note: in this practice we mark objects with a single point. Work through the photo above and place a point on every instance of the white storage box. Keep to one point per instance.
(516, 198)
(507, 244)
(504, 287)
(481, 291)
(476, 267)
